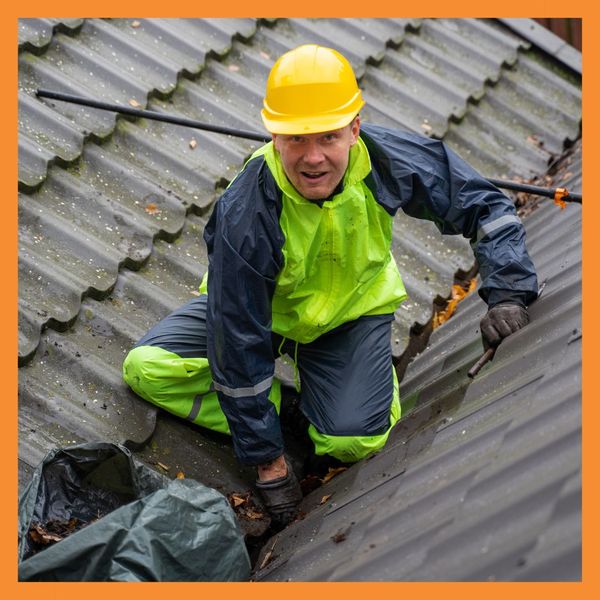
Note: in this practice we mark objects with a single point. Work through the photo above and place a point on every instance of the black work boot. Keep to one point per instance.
(281, 498)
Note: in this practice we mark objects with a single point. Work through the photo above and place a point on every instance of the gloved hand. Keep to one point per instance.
(281, 498)
(502, 320)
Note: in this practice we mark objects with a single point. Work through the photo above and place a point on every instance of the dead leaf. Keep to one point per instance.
(39, 535)
(244, 507)
(237, 499)
(325, 498)
(54, 530)
(332, 473)
(535, 140)
(253, 514)
(267, 557)
(233, 68)
(135, 24)
(193, 144)
(180, 475)
(134, 103)
(458, 293)
(152, 209)
(340, 536)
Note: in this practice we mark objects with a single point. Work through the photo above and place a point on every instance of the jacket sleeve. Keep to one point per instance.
(244, 242)
(429, 181)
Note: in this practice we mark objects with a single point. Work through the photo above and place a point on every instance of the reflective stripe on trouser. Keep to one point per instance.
(179, 385)
(351, 448)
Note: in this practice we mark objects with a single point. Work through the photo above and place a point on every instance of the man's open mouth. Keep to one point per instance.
(317, 175)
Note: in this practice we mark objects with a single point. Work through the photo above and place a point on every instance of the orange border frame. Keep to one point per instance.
(270, 8)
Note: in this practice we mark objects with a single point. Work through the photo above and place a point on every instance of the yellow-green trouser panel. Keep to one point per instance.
(182, 386)
(346, 392)
(350, 448)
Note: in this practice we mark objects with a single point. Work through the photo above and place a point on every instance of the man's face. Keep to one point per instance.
(316, 163)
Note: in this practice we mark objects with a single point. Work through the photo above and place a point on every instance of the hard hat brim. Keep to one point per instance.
(306, 124)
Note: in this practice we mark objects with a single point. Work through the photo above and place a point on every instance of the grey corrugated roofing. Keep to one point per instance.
(546, 40)
(111, 211)
(230, 91)
(35, 34)
(482, 480)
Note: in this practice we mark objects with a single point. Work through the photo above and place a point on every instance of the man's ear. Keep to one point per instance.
(355, 129)
(275, 142)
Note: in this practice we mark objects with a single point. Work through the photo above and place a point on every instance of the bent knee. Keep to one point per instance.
(155, 373)
(352, 448)
(347, 448)
(135, 369)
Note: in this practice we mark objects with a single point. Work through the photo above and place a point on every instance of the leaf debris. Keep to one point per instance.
(458, 294)
(152, 209)
(55, 530)
(237, 500)
(332, 473)
(268, 557)
(244, 507)
(341, 535)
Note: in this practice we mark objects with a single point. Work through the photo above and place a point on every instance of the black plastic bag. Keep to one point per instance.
(121, 521)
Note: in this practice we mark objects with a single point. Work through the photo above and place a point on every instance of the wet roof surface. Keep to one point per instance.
(111, 210)
(481, 481)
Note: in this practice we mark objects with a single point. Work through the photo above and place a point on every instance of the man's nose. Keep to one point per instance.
(313, 153)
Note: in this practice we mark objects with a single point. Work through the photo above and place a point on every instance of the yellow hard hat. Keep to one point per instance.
(310, 89)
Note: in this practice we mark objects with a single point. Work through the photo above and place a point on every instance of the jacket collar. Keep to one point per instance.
(359, 166)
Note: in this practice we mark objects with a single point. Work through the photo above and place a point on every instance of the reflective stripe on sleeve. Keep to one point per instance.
(263, 386)
(496, 224)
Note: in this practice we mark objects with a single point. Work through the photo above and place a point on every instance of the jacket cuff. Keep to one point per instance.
(496, 296)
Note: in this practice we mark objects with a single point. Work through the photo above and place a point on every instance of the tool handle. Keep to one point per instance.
(151, 114)
(485, 357)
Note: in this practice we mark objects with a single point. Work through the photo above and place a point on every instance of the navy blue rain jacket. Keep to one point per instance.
(419, 175)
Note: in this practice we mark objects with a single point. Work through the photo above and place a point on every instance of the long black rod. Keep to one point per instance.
(533, 189)
(252, 135)
(150, 114)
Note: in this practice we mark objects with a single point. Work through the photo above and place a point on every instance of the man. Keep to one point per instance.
(300, 263)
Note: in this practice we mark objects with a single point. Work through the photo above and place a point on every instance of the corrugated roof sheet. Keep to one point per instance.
(35, 34)
(547, 41)
(111, 210)
(482, 481)
(144, 161)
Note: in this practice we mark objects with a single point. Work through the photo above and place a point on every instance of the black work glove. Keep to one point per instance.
(502, 320)
(281, 498)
